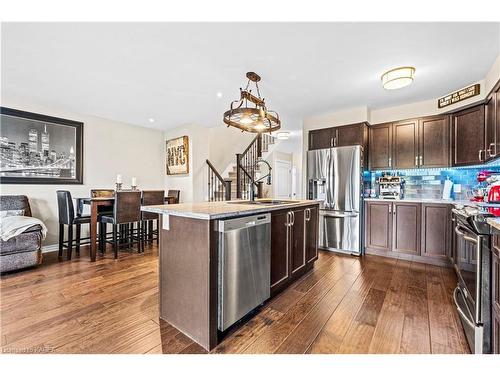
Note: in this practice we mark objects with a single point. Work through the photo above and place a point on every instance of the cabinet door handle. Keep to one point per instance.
(480, 152)
(416, 161)
(293, 217)
(491, 154)
(307, 212)
(390, 162)
(331, 142)
(335, 142)
(421, 160)
(390, 208)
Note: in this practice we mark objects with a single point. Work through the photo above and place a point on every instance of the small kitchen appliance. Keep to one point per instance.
(390, 187)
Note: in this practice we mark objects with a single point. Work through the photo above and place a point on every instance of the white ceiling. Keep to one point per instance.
(131, 72)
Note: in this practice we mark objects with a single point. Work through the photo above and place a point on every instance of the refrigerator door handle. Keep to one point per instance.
(340, 215)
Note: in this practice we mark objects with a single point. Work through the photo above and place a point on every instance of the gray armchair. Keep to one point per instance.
(24, 250)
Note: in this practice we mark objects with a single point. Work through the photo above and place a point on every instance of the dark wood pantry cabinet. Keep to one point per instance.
(294, 244)
(468, 146)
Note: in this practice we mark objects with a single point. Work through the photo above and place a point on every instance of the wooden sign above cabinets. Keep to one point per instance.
(459, 95)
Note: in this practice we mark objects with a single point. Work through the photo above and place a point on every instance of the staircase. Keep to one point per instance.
(236, 185)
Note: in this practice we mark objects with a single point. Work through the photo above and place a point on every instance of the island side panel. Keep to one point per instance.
(188, 278)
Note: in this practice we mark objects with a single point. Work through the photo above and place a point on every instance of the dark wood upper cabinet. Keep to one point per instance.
(490, 127)
(347, 135)
(434, 141)
(380, 146)
(378, 225)
(497, 123)
(406, 228)
(280, 270)
(352, 135)
(468, 146)
(405, 138)
(297, 248)
(311, 218)
(321, 138)
(436, 229)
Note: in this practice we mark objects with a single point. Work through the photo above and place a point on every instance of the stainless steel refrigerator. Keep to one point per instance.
(335, 179)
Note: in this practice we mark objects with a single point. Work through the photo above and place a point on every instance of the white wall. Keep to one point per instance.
(109, 148)
(225, 143)
(193, 185)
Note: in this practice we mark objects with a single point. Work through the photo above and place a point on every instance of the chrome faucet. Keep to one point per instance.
(251, 184)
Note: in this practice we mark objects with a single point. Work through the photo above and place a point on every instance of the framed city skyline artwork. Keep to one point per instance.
(39, 149)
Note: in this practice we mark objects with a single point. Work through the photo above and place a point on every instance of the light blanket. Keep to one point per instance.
(11, 226)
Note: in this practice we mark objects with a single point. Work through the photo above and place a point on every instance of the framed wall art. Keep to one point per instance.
(178, 155)
(39, 149)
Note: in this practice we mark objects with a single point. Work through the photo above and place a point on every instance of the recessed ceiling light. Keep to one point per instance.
(398, 78)
(151, 119)
(283, 135)
(219, 94)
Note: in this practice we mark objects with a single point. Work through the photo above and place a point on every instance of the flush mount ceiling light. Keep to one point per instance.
(283, 135)
(249, 113)
(398, 78)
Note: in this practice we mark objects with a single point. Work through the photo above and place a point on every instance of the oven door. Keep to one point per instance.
(467, 263)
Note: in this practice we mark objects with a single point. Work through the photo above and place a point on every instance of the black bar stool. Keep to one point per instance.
(151, 198)
(175, 194)
(127, 210)
(67, 217)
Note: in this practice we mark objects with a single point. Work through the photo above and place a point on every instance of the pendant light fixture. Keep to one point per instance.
(398, 78)
(249, 113)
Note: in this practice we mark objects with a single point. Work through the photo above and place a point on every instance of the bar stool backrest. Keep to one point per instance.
(102, 193)
(175, 194)
(127, 207)
(66, 208)
(152, 198)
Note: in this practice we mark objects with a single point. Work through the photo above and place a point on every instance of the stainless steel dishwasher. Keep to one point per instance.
(244, 277)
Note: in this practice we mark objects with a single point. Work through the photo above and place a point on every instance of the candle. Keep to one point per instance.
(134, 181)
(118, 178)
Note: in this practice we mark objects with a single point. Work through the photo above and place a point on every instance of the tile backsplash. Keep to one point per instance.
(428, 182)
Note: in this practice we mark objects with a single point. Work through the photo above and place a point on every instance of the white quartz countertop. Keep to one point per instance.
(422, 200)
(222, 209)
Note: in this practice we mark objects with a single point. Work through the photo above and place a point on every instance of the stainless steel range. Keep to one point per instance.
(471, 260)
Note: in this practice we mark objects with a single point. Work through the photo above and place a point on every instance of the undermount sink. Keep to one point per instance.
(265, 202)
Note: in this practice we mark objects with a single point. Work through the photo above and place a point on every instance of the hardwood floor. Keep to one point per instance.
(344, 305)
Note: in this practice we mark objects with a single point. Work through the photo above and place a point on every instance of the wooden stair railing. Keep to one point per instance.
(219, 189)
(245, 165)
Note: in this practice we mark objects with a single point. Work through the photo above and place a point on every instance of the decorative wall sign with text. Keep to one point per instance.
(458, 96)
(178, 155)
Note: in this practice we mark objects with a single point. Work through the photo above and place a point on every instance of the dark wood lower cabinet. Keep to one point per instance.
(409, 230)
(378, 225)
(297, 241)
(294, 243)
(311, 233)
(436, 229)
(280, 270)
(406, 228)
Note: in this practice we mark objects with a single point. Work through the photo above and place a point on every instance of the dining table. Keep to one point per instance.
(95, 203)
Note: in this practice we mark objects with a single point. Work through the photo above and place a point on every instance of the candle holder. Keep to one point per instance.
(118, 186)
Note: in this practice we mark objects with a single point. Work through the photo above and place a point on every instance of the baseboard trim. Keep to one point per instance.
(50, 248)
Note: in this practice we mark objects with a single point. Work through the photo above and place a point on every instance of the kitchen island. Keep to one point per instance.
(188, 257)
